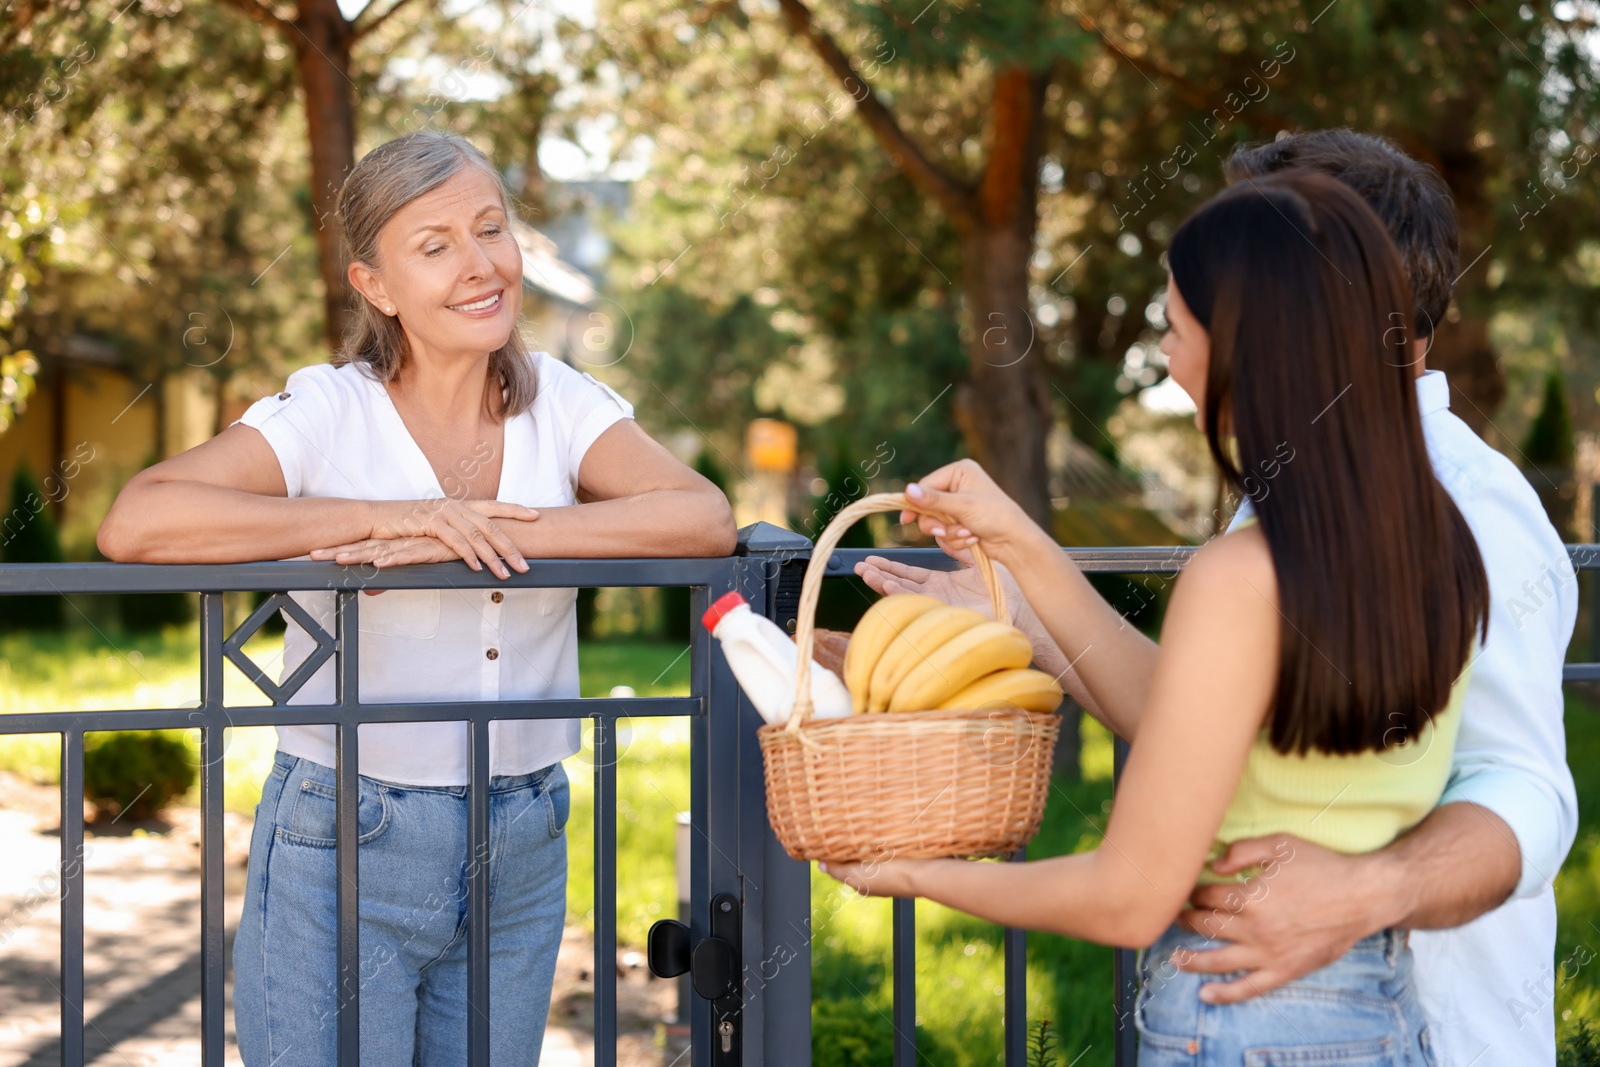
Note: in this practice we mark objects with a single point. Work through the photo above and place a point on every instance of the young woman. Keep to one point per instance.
(434, 435)
(1311, 664)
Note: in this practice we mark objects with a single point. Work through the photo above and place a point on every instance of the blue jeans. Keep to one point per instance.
(1361, 1010)
(413, 904)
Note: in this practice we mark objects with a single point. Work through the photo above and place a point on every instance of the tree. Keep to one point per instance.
(1005, 408)
(515, 122)
(151, 190)
(1044, 155)
(323, 40)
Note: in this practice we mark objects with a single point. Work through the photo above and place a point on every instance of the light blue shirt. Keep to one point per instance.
(1483, 985)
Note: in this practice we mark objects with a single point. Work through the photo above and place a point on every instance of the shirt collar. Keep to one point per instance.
(1433, 392)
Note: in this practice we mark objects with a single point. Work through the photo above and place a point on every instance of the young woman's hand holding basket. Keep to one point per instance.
(926, 776)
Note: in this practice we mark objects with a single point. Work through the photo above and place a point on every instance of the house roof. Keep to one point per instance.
(544, 271)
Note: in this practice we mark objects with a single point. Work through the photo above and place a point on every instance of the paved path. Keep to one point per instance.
(142, 937)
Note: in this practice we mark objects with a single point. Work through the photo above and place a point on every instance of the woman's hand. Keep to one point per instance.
(979, 510)
(388, 552)
(963, 587)
(466, 527)
(880, 878)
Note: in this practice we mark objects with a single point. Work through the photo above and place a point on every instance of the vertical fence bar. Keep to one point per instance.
(347, 769)
(213, 947)
(905, 983)
(72, 898)
(724, 871)
(1016, 978)
(1124, 964)
(713, 688)
(605, 891)
(478, 899)
(775, 1010)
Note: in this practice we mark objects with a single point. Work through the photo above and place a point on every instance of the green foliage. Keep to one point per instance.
(150, 612)
(842, 602)
(275, 623)
(703, 358)
(1581, 1048)
(850, 1033)
(588, 610)
(148, 174)
(766, 181)
(1550, 439)
(136, 772)
(677, 622)
(707, 467)
(29, 536)
(1041, 1045)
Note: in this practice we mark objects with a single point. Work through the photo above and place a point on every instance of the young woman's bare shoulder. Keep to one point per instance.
(1236, 561)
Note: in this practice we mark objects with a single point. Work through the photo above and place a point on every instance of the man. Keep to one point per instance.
(1474, 878)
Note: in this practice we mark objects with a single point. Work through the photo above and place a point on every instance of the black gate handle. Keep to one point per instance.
(712, 964)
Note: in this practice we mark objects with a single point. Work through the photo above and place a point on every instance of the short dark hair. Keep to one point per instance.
(1311, 411)
(1408, 195)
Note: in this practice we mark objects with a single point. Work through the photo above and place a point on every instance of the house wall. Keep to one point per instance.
(112, 428)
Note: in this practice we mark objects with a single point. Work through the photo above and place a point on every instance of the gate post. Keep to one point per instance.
(777, 889)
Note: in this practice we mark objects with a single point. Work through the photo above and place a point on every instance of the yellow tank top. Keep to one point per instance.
(1347, 803)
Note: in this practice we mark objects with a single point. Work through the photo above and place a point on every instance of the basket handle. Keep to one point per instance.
(811, 584)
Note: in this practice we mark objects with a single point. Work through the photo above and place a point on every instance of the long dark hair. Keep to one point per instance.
(1311, 403)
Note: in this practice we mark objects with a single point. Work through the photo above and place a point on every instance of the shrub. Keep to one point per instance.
(29, 535)
(1581, 1047)
(1550, 440)
(150, 612)
(135, 772)
(850, 1033)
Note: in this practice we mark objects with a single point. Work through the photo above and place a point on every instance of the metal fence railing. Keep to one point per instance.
(744, 891)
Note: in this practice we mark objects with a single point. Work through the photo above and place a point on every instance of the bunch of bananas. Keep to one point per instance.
(912, 652)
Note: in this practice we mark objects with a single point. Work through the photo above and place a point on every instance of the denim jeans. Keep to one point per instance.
(413, 858)
(1361, 1010)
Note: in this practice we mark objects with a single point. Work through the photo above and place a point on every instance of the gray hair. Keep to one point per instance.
(388, 178)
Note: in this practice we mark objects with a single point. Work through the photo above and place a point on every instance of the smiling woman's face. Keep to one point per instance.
(1187, 347)
(449, 267)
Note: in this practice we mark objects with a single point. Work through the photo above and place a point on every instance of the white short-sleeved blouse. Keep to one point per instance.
(337, 434)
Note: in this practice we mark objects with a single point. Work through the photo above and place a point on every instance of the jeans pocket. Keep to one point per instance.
(1381, 1052)
(1166, 1012)
(1430, 1058)
(557, 799)
(313, 815)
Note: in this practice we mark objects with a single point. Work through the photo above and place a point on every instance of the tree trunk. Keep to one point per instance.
(322, 56)
(1004, 409)
(534, 207)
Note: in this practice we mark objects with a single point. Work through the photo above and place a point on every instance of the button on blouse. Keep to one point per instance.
(336, 433)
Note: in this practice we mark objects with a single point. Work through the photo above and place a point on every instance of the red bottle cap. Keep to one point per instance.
(720, 607)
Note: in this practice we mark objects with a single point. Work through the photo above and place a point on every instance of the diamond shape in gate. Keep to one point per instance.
(233, 648)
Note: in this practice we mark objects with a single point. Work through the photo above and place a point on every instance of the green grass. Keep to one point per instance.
(959, 959)
(1578, 884)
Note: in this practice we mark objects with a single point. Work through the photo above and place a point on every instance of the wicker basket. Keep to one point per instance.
(910, 785)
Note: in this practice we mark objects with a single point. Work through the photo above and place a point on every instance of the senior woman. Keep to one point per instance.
(433, 435)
